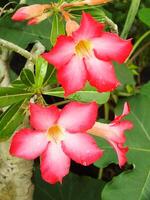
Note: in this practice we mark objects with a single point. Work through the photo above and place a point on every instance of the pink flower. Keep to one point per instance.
(114, 133)
(34, 13)
(87, 55)
(58, 136)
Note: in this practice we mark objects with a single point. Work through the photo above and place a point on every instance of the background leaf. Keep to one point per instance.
(27, 77)
(21, 34)
(73, 188)
(144, 15)
(11, 119)
(10, 95)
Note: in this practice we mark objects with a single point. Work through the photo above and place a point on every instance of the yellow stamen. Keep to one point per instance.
(83, 48)
(55, 133)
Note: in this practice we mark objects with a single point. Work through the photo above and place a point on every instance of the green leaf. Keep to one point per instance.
(9, 96)
(57, 28)
(11, 119)
(88, 94)
(50, 77)
(133, 185)
(18, 84)
(124, 75)
(40, 69)
(145, 90)
(73, 188)
(130, 18)
(27, 77)
(144, 15)
(21, 34)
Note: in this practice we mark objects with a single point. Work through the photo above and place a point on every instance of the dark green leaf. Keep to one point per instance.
(50, 77)
(73, 188)
(11, 119)
(144, 15)
(57, 28)
(18, 84)
(10, 95)
(27, 77)
(21, 34)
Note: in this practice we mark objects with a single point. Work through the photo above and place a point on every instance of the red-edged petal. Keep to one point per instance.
(81, 148)
(101, 74)
(110, 47)
(78, 117)
(28, 144)
(121, 152)
(41, 118)
(126, 111)
(89, 28)
(62, 52)
(73, 75)
(55, 163)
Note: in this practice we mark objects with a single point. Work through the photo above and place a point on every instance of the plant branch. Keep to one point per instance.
(17, 49)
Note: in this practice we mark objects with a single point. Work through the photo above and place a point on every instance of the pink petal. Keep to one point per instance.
(121, 152)
(126, 111)
(81, 148)
(110, 47)
(101, 74)
(28, 144)
(78, 117)
(41, 118)
(72, 76)
(61, 53)
(54, 163)
(89, 28)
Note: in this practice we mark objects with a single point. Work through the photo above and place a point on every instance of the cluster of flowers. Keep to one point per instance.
(57, 136)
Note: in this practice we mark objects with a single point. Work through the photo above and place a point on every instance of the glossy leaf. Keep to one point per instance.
(73, 187)
(144, 16)
(145, 90)
(11, 119)
(10, 95)
(41, 69)
(87, 95)
(27, 77)
(57, 28)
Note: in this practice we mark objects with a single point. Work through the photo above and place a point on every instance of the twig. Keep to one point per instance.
(17, 49)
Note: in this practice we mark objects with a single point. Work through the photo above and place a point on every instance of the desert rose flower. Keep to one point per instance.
(35, 13)
(58, 136)
(87, 55)
(114, 133)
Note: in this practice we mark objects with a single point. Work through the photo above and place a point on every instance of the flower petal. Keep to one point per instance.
(110, 47)
(41, 118)
(81, 148)
(55, 163)
(28, 144)
(61, 53)
(101, 74)
(89, 28)
(121, 152)
(126, 111)
(78, 117)
(72, 76)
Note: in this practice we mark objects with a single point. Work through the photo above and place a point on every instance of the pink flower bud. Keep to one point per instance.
(29, 12)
